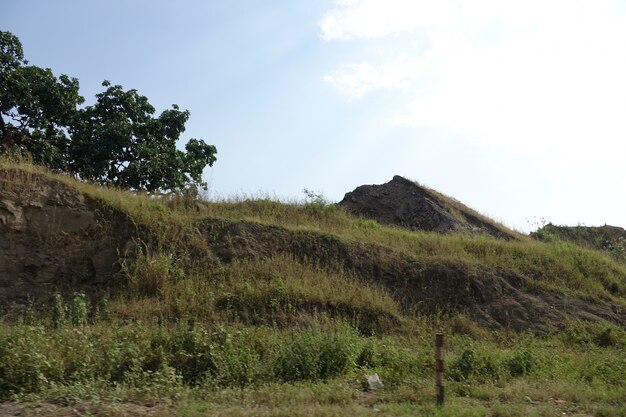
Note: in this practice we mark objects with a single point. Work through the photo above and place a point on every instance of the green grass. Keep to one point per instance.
(274, 336)
(241, 370)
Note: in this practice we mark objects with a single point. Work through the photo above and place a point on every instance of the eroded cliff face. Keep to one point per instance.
(54, 238)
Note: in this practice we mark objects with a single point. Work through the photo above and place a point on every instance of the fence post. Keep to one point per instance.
(439, 367)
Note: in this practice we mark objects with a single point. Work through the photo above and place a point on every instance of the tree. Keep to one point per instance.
(39, 107)
(118, 141)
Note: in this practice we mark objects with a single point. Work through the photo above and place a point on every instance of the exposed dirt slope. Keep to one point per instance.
(492, 297)
(403, 203)
(54, 238)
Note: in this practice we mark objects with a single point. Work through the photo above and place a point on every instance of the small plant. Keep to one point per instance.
(617, 250)
(59, 311)
(522, 362)
(317, 204)
(79, 309)
(475, 364)
(152, 275)
(101, 310)
(464, 366)
(316, 354)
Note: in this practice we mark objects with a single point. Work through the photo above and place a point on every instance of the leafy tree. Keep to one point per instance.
(38, 106)
(118, 141)
(11, 53)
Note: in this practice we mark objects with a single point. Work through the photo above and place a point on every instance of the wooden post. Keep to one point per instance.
(439, 368)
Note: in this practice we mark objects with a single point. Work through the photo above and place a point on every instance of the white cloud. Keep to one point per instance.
(533, 76)
(374, 18)
(355, 80)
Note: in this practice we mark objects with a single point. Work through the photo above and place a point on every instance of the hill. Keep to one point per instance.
(189, 299)
(58, 238)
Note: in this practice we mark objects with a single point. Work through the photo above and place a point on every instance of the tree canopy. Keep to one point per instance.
(118, 140)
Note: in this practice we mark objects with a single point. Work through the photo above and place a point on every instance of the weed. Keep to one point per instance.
(522, 362)
(79, 309)
(316, 204)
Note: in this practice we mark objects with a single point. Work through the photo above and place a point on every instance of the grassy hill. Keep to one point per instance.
(259, 307)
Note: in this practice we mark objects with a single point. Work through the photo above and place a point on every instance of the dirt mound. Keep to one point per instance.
(54, 238)
(403, 203)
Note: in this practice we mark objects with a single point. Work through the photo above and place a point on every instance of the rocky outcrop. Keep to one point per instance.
(403, 203)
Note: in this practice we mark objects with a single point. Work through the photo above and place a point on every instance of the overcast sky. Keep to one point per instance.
(516, 108)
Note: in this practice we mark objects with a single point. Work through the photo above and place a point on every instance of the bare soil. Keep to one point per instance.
(54, 238)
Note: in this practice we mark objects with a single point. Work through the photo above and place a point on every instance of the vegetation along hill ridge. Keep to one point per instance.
(608, 239)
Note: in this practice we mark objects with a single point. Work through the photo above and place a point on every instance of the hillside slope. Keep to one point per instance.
(60, 235)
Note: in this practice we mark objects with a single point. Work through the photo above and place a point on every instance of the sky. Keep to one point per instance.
(515, 108)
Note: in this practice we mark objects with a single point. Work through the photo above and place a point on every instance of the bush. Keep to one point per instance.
(237, 366)
(190, 351)
(472, 364)
(26, 361)
(315, 354)
(522, 362)
(316, 204)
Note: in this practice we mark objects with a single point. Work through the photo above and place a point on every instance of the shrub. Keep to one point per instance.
(522, 362)
(316, 204)
(79, 309)
(472, 364)
(59, 311)
(190, 349)
(150, 275)
(315, 354)
(237, 366)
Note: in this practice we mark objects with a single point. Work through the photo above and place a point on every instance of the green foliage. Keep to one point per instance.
(11, 52)
(79, 309)
(59, 311)
(598, 334)
(315, 354)
(474, 364)
(38, 106)
(116, 141)
(316, 204)
(608, 239)
(76, 313)
(522, 362)
(617, 249)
